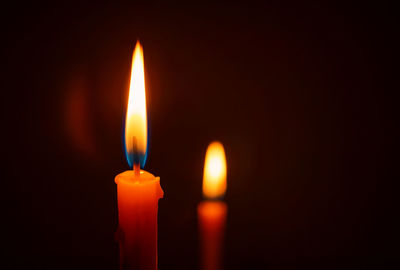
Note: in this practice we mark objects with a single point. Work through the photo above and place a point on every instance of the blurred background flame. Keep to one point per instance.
(214, 177)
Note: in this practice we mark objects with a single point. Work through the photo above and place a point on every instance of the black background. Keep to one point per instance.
(297, 94)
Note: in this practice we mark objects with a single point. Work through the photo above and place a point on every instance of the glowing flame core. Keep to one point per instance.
(136, 117)
(214, 179)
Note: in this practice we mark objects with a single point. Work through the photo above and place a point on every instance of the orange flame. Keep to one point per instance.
(214, 179)
(136, 118)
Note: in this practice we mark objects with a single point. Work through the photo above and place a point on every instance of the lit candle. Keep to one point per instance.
(212, 211)
(138, 190)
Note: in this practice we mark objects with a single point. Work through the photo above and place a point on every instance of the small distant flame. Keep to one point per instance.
(136, 118)
(214, 179)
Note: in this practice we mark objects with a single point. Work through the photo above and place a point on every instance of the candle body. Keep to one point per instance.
(137, 215)
(212, 220)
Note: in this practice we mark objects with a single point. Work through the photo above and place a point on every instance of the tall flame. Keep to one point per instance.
(214, 179)
(136, 118)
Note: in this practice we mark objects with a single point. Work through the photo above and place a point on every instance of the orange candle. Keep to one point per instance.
(138, 190)
(212, 211)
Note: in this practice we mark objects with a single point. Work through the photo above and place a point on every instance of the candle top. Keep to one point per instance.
(212, 208)
(130, 177)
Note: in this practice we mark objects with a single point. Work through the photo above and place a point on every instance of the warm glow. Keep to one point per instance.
(136, 118)
(214, 179)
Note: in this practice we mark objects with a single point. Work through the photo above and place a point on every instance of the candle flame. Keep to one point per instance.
(136, 118)
(214, 179)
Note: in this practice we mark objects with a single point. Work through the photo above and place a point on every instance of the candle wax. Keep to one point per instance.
(212, 219)
(137, 213)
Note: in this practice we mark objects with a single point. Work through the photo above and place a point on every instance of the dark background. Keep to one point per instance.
(297, 94)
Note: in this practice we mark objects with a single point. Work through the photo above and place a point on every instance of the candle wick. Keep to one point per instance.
(136, 169)
(135, 157)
